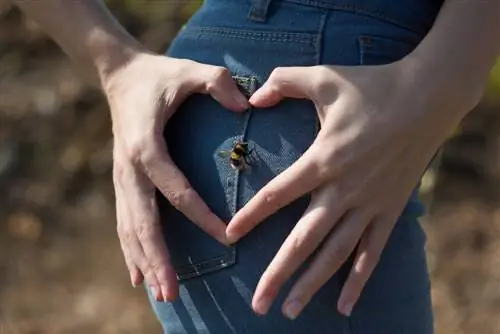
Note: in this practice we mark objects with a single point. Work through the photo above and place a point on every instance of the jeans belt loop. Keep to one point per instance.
(258, 11)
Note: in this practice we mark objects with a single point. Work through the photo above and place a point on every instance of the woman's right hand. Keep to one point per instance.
(143, 95)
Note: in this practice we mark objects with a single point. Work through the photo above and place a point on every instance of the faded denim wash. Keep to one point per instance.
(251, 38)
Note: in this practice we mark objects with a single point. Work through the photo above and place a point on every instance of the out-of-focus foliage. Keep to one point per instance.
(494, 84)
(154, 11)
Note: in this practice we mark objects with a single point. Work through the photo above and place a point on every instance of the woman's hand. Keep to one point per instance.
(143, 95)
(378, 133)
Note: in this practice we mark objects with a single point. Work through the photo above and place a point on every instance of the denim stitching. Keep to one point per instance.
(247, 86)
(318, 60)
(205, 267)
(367, 44)
(319, 37)
(280, 37)
(354, 9)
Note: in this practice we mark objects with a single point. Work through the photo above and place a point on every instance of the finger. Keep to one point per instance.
(330, 258)
(294, 82)
(133, 249)
(217, 82)
(150, 236)
(136, 277)
(320, 217)
(137, 255)
(175, 187)
(367, 257)
(299, 179)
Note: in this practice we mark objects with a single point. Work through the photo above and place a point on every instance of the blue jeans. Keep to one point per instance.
(251, 38)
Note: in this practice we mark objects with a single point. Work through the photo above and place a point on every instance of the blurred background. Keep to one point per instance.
(61, 268)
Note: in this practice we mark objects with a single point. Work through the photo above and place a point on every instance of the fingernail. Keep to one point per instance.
(347, 308)
(292, 309)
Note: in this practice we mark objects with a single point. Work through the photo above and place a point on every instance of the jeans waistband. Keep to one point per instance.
(414, 15)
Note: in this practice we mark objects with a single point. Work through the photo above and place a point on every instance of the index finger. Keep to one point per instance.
(300, 178)
(172, 183)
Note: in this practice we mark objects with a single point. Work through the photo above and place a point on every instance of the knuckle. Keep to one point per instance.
(148, 272)
(154, 265)
(220, 73)
(271, 199)
(299, 243)
(134, 149)
(126, 236)
(138, 150)
(180, 198)
(339, 252)
(157, 266)
(160, 268)
(175, 199)
(277, 74)
(145, 230)
(218, 77)
(323, 76)
(321, 166)
(323, 87)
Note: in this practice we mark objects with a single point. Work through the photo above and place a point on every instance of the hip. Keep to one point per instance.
(221, 279)
(292, 35)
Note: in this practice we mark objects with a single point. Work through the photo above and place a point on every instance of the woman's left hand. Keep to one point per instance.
(378, 133)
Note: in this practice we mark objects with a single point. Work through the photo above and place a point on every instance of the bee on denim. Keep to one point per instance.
(239, 156)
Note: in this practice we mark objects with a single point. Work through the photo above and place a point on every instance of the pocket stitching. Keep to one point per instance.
(368, 46)
(269, 36)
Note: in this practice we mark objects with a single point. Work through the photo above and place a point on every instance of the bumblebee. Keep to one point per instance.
(239, 155)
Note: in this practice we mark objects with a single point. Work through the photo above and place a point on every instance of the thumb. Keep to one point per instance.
(294, 82)
(217, 82)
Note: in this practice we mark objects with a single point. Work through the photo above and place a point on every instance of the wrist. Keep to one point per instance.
(110, 54)
(443, 89)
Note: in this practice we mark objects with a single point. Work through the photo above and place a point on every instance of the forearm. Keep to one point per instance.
(452, 63)
(86, 31)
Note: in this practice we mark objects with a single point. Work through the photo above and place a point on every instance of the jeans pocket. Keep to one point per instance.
(196, 135)
(380, 50)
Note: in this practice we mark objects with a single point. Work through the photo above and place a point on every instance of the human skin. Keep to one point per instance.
(380, 126)
(143, 90)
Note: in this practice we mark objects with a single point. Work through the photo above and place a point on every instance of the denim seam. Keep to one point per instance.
(319, 37)
(353, 9)
(368, 42)
(248, 91)
(248, 115)
(228, 259)
(319, 45)
(205, 267)
(279, 37)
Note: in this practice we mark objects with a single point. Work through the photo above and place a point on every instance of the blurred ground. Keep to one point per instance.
(61, 269)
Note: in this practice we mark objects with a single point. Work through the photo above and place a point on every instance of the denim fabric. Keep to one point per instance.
(251, 38)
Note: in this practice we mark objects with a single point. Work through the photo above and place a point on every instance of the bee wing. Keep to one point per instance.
(224, 154)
